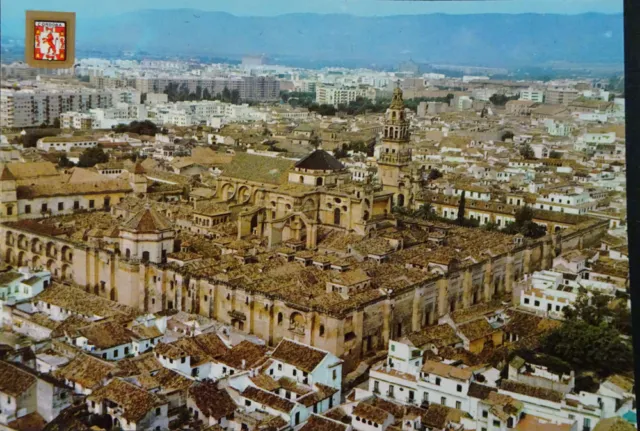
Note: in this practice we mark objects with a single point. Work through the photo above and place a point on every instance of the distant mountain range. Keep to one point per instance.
(498, 40)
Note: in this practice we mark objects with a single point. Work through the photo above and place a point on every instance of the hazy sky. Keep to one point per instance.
(14, 9)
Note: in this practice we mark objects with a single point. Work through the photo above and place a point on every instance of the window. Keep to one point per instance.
(183, 360)
(586, 424)
(45, 207)
(295, 372)
(322, 330)
(496, 423)
(393, 347)
(376, 386)
(279, 367)
(9, 400)
(438, 380)
(485, 414)
(92, 203)
(247, 403)
(158, 411)
(526, 300)
(60, 206)
(458, 405)
(335, 374)
(536, 303)
(443, 401)
(459, 388)
(27, 209)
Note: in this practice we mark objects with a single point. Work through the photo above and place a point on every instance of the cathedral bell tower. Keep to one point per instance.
(395, 154)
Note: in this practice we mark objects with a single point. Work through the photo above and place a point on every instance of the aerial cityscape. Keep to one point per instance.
(315, 217)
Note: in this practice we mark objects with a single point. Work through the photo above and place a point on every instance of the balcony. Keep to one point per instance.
(394, 158)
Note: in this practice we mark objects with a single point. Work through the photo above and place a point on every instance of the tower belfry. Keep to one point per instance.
(395, 154)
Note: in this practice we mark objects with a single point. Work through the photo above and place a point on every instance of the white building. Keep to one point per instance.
(66, 143)
(327, 94)
(549, 292)
(532, 94)
(570, 200)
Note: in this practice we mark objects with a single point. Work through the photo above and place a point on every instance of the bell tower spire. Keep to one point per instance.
(395, 154)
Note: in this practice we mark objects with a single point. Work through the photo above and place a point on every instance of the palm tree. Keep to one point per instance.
(425, 212)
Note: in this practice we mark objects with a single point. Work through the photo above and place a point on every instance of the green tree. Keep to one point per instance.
(434, 174)
(524, 224)
(506, 135)
(592, 309)
(92, 156)
(64, 162)
(425, 212)
(235, 96)
(586, 347)
(341, 153)
(461, 205)
(501, 99)
(490, 226)
(527, 152)
(315, 141)
(555, 155)
(226, 95)
(56, 123)
(206, 94)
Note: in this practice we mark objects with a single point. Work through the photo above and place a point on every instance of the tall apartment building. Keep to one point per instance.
(30, 108)
(328, 94)
(561, 96)
(251, 88)
(532, 94)
(254, 60)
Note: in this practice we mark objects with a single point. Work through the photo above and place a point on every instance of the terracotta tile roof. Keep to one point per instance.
(532, 391)
(22, 171)
(7, 175)
(439, 416)
(265, 382)
(13, 380)
(369, 412)
(481, 392)
(476, 329)
(31, 422)
(106, 335)
(211, 401)
(613, 424)
(260, 169)
(81, 302)
(137, 365)
(319, 423)
(86, 370)
(299, 355)
(246, 353)
(439, 335)
(444, 370)
(267, 398)
(135, 402)
(147, 220)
